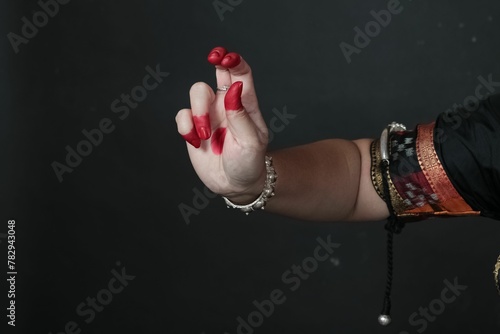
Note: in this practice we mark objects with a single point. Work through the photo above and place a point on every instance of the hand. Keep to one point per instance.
(225, 132)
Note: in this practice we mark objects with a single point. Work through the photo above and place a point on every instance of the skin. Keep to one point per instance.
(328, 180)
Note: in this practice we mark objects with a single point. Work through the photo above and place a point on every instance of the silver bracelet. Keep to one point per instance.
(266, 194)
(384, 138)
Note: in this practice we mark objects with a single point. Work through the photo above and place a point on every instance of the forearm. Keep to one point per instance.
(326, 180)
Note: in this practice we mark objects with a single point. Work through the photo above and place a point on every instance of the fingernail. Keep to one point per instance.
(232, 100)
(202, 125)
(204, 133)
(192, 138)
(216, 55)
(231, 60)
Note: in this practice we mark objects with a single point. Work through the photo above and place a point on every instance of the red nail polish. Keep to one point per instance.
(216, 55)
(231, 60)
(232, 100)
(217, 142)
(192, 138)
(202, 125)
(204, 133)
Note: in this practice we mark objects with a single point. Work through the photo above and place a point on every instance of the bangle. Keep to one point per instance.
(384, 139)
(266, 194)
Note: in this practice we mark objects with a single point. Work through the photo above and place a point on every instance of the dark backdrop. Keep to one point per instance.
(119, 212)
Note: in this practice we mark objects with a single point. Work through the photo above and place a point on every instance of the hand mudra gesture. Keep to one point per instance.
(225, 132)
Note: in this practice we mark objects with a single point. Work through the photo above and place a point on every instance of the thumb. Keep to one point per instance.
(240, 124)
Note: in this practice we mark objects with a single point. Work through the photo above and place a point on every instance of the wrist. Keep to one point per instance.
(251, 193)
(257, 196)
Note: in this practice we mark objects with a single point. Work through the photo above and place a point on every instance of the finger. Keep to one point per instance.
(186, 129)
(215, 57)
(239, 70)
(232, 68)
(231, 60)
(201, 96)
(239, 122)
(223, 72)
(242, 72)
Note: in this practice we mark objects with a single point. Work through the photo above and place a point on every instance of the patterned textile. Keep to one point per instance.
(450, 167)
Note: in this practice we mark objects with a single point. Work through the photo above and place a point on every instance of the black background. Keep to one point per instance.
(121, 204)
